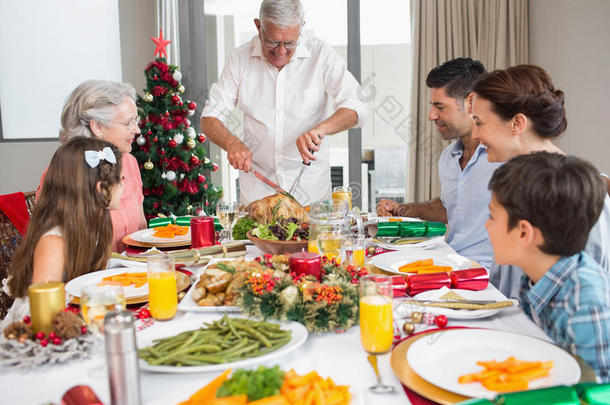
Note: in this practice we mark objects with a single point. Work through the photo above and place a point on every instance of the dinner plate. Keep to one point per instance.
(146, 236)
(441, 358)
(148, 336)
(392, 261)
(456, 313)
(74, 286)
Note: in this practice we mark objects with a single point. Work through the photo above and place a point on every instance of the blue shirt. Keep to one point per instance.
(465, 195)
(571, 303)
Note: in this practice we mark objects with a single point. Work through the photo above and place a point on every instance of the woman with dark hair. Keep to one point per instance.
(518, 111)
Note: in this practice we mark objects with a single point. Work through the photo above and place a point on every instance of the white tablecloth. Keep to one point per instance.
(339, 356)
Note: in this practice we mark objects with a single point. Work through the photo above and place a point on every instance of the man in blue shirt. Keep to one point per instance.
(464, 170)
(542, 209)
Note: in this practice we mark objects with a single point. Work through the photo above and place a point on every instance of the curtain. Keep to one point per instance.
(492, 31)
(167, 20)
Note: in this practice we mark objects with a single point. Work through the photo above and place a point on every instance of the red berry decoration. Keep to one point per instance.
(40, 335)
(144, 313)
(52, 335)
(57, 341)
(27, 319)
(192, 105)
(167, 113)
(155, 139)
(172, 144)
(83, 329)
(441, 321)
(201, 138)
(44, 342)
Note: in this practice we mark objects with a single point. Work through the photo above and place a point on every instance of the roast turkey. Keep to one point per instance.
(274, 206)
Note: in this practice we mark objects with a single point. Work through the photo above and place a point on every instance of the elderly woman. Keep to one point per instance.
(518, 111)
(107, 110)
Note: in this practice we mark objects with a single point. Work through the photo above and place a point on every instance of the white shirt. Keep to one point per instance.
(280, 106)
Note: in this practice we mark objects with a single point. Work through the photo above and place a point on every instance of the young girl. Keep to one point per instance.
(70, 231)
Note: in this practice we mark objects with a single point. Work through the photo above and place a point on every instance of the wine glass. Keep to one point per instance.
(95, 301)
(98, 299)
(376, 323)
(227, 216)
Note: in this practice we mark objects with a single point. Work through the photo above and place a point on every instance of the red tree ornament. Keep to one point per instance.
(215, 167)
(192, 106)
(194, 160)
(201, 178)
(201, 138)
(172, 143)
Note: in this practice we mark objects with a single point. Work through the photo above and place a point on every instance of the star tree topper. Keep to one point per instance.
(161, 44)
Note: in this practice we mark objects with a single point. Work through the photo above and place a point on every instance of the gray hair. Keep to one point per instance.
(282, 13)
(92, 100)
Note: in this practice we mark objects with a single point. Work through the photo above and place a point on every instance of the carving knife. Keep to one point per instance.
(298, 178)
(271, 184)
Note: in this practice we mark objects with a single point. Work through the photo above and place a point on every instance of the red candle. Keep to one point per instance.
(470, 279)
(202, 232)
(423, 282)
(308, 263)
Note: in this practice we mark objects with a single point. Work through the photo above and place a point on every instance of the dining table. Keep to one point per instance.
(336, 355)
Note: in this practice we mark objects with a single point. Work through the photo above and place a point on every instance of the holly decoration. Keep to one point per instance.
(163, 112)
(329, 305)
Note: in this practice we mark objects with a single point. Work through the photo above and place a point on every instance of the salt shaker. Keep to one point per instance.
(122, 358)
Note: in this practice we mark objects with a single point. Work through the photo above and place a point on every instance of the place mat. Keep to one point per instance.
(418, 390)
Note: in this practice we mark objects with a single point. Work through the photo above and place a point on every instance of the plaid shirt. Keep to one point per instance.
(571, 303)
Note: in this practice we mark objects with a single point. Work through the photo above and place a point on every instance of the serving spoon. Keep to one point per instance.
(379, 388)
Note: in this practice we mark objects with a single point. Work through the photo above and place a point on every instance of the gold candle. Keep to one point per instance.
(46, 300)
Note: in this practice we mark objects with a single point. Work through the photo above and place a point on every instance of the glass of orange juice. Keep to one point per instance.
(162, 290)
(353, 251)
(376, 324)
(343, 193)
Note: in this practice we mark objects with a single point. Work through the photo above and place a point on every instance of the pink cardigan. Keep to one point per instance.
(129, 218)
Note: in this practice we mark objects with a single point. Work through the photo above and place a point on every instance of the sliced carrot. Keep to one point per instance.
(273, 400)
(506, 386)
(529, 375)
(232, 400)
(208, 392)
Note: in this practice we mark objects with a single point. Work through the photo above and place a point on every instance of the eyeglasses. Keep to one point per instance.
(290, 45)
(132, 123)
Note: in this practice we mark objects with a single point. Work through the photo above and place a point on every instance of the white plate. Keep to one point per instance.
(147, 336)
(146, 236)
(442, 357)
(188, 304)
(391, 261)
(457, 313)
(74, 286)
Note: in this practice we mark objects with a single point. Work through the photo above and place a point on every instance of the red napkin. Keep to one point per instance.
(15, 208)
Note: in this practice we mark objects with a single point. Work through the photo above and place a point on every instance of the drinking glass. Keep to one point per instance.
(354, 251)
(162, 290)
(376, 326)
(98, 299)
(343, 193)
(227, 216)
(329, 244)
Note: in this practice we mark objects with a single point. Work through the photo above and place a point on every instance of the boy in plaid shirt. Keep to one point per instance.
(542, 209)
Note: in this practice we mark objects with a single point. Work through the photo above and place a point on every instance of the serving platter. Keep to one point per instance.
(148, 336)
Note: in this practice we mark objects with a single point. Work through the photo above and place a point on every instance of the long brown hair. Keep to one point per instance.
(71, 201)
(529, 90)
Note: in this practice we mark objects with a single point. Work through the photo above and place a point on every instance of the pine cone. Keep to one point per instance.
(19, 330)
(67, 325)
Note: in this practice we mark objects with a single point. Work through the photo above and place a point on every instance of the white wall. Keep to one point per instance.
(571, 40)
(22, 163)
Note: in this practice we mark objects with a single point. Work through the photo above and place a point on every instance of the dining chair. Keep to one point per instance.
(9, 240)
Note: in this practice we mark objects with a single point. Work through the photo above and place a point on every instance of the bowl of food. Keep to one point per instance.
(277, 247)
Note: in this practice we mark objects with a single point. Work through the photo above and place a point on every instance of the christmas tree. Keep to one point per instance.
(172, 157)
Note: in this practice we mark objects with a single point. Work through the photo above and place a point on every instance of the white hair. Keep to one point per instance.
(282, 13)
(92, 100)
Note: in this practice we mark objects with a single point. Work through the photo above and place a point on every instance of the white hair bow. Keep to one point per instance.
(93, 157)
